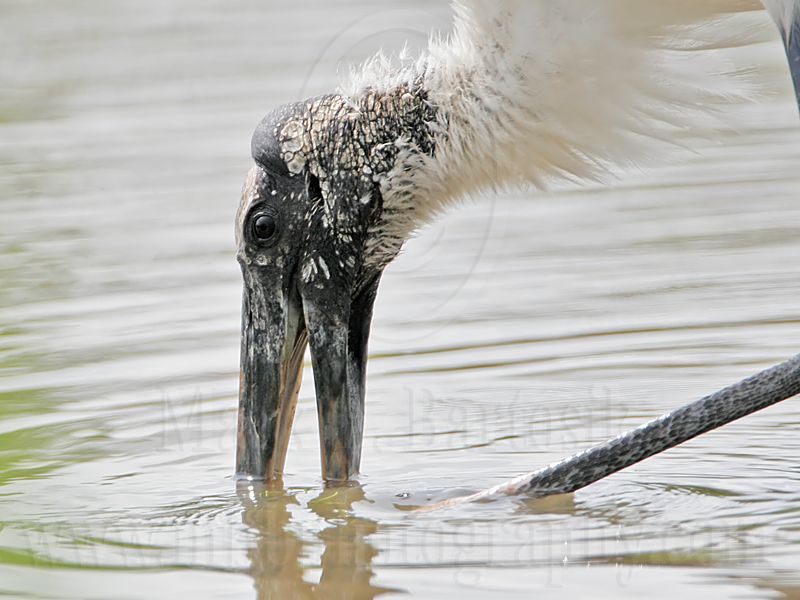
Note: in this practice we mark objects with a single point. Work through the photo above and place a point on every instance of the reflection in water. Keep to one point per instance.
(277, 559)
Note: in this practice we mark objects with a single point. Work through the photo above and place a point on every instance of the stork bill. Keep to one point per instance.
(521, 91)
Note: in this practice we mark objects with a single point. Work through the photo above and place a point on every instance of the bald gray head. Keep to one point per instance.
(313, 236)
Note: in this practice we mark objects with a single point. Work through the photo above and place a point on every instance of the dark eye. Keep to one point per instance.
(264, 227)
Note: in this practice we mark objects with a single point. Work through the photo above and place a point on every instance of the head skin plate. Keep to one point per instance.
(350, 155)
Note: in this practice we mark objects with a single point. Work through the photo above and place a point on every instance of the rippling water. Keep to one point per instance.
(515, 331)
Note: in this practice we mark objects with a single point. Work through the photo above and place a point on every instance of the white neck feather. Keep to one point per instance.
(540, 90)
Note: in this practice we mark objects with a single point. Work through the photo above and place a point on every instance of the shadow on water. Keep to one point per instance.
(278, 556)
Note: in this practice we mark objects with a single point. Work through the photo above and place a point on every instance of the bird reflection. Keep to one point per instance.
(280, 558)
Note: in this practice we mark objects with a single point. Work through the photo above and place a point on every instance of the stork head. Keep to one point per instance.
(302, 253)
(312, 244)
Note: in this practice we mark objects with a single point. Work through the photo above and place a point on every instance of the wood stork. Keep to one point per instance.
(521, 91)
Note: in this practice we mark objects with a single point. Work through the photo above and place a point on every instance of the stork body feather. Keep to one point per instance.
(534, 91)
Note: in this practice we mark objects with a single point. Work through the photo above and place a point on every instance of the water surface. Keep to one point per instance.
(515, 331)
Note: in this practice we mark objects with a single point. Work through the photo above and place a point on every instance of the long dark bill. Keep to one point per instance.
(338, 336)
(273, 341)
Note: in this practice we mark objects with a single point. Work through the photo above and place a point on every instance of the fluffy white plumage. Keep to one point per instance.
(536, 90)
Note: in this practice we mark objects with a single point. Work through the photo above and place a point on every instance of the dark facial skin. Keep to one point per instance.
(305, 282)
(314, 236)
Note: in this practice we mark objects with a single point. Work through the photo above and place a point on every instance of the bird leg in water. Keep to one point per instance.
(759, 391)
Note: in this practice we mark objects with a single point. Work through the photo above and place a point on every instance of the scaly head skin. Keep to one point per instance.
(313, 238)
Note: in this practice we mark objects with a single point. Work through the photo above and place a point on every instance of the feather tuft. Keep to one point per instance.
(539, 91)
